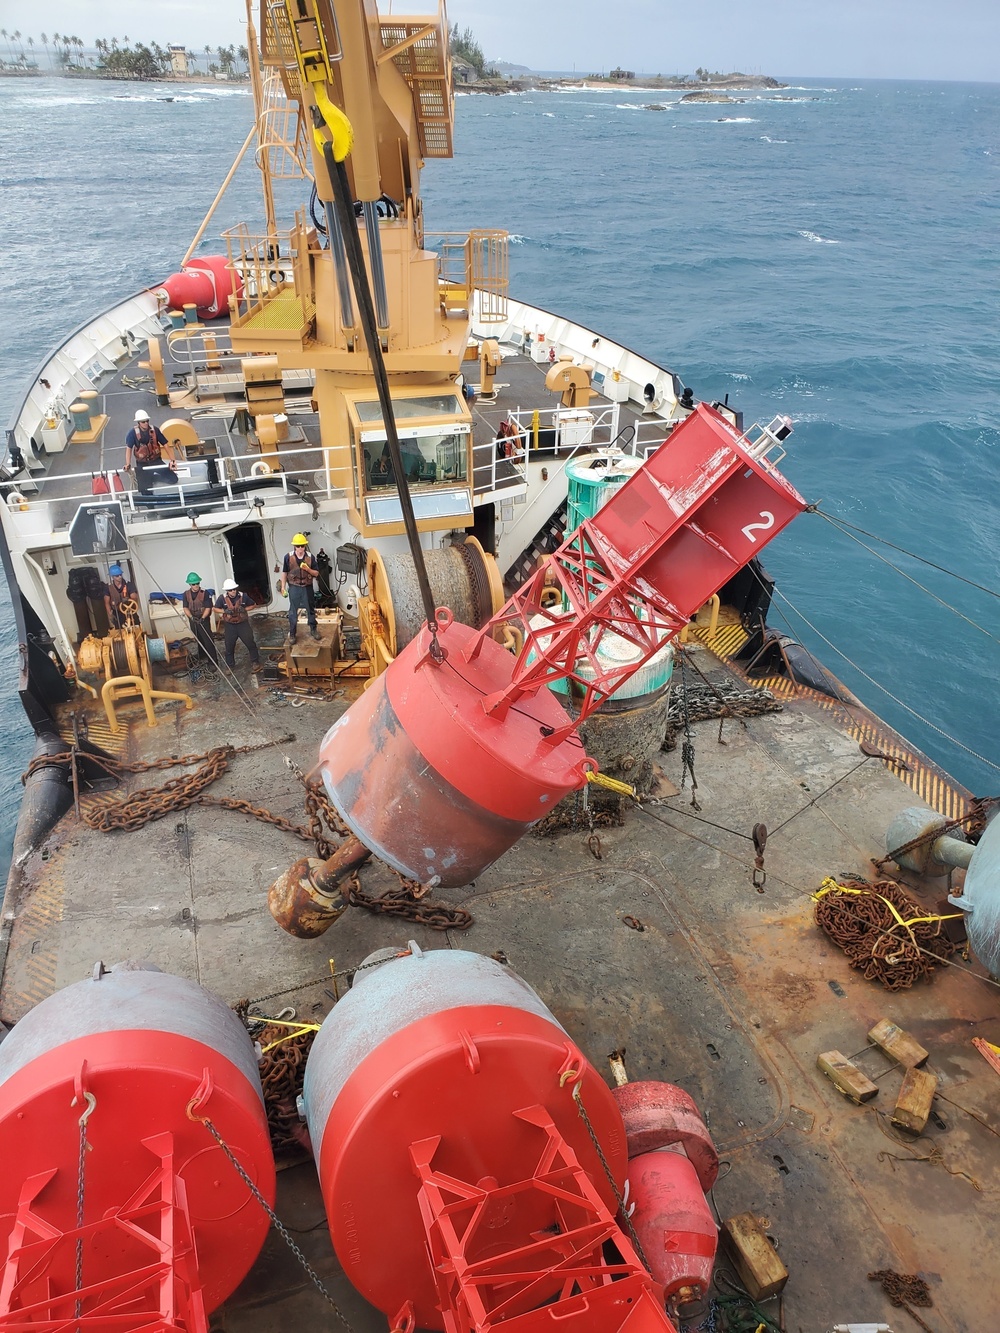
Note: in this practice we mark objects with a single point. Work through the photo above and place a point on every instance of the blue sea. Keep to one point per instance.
(828, 251)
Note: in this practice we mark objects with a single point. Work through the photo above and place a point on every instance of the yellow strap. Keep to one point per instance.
(831, 886)
(612, 784)
(299, 1030)
(341, 130)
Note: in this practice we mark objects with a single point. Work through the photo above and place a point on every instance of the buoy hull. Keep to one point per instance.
(444, 1048)
(425, 777)
(142, 1043)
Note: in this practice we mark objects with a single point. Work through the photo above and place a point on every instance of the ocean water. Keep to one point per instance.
(829, 251)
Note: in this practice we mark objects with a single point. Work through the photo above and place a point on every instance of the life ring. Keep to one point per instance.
(260, 468)
(16, 501)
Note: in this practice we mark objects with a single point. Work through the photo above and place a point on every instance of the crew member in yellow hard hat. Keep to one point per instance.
(198, 609)
(232, 607)
(297, 574)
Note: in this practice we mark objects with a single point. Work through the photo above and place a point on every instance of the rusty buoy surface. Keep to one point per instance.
(426, 778)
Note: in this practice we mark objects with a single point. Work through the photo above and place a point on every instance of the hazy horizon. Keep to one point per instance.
(873, 39)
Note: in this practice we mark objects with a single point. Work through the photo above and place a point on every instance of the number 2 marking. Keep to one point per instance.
(766, 523)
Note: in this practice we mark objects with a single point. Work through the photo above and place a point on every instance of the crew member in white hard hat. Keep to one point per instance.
(144, 442)
(233, 607)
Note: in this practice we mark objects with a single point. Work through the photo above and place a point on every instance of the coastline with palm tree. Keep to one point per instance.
(118, 58)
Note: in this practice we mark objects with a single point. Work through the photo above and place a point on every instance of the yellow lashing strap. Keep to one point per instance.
(830, 885)
(612, 784)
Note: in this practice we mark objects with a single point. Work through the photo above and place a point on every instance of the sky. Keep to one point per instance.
(891, 39)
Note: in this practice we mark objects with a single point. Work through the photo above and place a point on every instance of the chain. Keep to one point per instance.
(622, 1209)
(904, 1290)
(117, 766)
(408, 901)
(242, 1006)
(278, 1225)
(687, 746)
(91, 1101)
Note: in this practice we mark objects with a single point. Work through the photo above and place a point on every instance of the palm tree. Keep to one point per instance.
(3, 34)
(31, 47)
(48, 58)
(17, 38)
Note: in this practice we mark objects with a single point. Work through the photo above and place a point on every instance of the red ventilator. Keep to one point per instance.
(124, 1211)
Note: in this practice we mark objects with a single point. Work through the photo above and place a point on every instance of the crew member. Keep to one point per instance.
(144, 442)
(233, 606)
(297, 574)
(117, 590)
(198, 609)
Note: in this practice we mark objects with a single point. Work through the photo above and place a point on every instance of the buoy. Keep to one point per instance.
(142, 1059)
(443, 1077)
(206, 283)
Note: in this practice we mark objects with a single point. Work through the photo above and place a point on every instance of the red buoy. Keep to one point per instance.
(206, 282)
(673, 1222)
(461, 1182)
(429, 781)
(131, 1061)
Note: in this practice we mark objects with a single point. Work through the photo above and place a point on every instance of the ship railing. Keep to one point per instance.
(245, 480)
(473, 271)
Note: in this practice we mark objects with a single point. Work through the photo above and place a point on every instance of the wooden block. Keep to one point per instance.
(916, 1096)
(847, 1078)
(757, 1263)
(897, 1044)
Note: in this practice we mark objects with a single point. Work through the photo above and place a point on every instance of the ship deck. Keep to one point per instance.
(729, 992)
(61, 479)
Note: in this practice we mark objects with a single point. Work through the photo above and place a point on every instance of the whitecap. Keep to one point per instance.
(740, 376)
(551, 114)
(628, 106)
(514, 239)
(766, 138)
(819, 240)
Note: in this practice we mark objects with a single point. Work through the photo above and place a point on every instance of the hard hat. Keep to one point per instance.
(115, 570)
(141, 415)
(300, 539)
(230, 585)
(193, 578)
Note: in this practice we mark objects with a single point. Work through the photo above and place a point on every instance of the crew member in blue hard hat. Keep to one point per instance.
(297, 574)
(198, 609)
(117, 590)
(233, 607)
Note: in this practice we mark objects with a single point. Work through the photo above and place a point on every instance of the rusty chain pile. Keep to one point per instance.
(884, 934)
(904, 1291)
(282, 1068)
(705, 700)
(152, 803)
